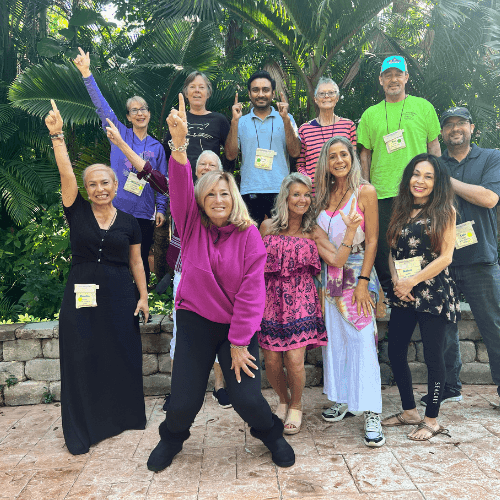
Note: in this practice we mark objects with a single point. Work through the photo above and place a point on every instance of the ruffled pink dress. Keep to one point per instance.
(292, 315)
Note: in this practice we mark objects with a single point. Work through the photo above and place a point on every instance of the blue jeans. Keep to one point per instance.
(480, 284)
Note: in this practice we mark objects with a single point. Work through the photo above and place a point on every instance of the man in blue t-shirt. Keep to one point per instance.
(475, 177)
(266, 137)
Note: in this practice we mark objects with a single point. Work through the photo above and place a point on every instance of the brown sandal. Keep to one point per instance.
(433, 432)
(401, 421)
(294, 419)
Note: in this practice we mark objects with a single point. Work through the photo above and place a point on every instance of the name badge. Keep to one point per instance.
(86, 295)
(134, 185)
(408, 267)
(264, 158)
(465, 235)
(395, 141)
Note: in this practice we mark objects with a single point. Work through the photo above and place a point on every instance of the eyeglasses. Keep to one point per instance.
(134, 111)
(452, 125)
(322, 95)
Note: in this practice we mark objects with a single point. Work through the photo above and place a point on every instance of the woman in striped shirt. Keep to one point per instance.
(315, 133)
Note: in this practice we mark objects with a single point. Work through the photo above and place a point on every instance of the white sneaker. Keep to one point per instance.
(374, 436)
(335, 413)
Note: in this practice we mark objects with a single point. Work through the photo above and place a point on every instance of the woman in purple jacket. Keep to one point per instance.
(220, 300)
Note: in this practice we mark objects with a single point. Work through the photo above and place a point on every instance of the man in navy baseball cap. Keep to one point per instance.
(458, 111)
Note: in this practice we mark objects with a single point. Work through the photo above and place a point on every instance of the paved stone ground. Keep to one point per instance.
(222, 461)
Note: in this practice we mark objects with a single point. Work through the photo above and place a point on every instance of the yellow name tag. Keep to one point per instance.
(408, 267)
(395, 141)
(465, 235)
(86, 295)
(264, 158)
(134, 185)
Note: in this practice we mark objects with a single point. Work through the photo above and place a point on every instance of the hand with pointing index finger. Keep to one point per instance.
(82, 62)
(353, 219)
(283, 106)
(237, 108)
(53, 120)
(177, 123)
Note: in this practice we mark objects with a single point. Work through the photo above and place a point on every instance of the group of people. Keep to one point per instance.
(401, 222)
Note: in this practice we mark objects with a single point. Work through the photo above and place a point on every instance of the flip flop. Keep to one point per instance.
(294, 418)
(401, 421)
(433, 432)
(281, 411)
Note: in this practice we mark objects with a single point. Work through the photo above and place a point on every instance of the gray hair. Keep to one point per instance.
(138, 99)
(101, 166)
(191, 77)
(279, 213)
(323, 81)
(207, 152)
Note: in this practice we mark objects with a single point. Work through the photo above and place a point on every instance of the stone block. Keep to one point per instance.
(314, 375)
(22, 350)
(154, 326)
(383, 352)
(43, 330)
(468, 330)
(43, 369)
(56, 331)
(149, 364)
(167, 325)
(8, 332)
(164, 363)
(420, 352)
(55, 390)
(156, 343)
(264, 383)
(418, 372)
(314, 357)
(156, 385)
(476, 373)
(416, 337)
(466, 312)
(467, 351)
(50, 348)
(382, 329)
(1, 351)
(386, 374)
(412, 352)
(11, 369)
(211, 381)
(24, 393)
(482, 353)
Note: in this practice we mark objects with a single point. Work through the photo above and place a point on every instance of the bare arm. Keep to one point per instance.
(137, 269)
(115, 137)
(265, 227)
(477, 195)
(434, 148)
(231, 146)
(293, 143)
(69, 187)
(365, 158)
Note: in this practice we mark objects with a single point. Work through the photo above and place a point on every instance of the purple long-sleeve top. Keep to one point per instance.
(223, 268)
(141, 207)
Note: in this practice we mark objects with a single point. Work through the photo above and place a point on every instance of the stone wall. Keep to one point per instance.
(30, 352)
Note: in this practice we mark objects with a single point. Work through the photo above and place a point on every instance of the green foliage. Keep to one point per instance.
(11, 381)
(160, 304)
(47, 396)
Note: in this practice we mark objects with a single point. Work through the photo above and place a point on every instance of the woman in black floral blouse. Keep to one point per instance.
(421, 235)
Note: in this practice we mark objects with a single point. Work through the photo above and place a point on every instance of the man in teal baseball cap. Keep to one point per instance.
(391, 133)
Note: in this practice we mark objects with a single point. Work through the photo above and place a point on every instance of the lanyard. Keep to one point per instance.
(387, 121)
(257, 135)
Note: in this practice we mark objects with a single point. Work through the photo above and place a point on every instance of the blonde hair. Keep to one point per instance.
(100, 166)
(239, 215)
(325, 180)
(279, 213)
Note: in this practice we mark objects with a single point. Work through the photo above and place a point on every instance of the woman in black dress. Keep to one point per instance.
(421, 236)
(99, 341)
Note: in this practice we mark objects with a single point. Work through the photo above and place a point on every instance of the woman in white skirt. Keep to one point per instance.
(350, 289)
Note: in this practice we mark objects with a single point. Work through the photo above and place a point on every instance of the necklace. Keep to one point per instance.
(332, 125)
(421, 206)
(110, 224)
(331, 216)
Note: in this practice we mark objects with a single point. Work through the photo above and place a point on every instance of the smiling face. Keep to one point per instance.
(299, 199)
(197, 92)
(100, 185)
(327, 96)
(138, 115)
(208, 162)
(457, 131)
(422, 182)
(218, 203)
(339, 160)
(261, 93)
(393, 81)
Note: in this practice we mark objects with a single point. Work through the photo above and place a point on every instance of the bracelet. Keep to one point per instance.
(180, 148)
(363, 278)
(56, 136)
(238, 346)
(348, 246)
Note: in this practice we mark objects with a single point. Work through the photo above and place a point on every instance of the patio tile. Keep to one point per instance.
(266, 488)
(13, 482)
(53, 484)
(463, 490)
(485, 452)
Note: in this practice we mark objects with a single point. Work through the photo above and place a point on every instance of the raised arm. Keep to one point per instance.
(69, 188)
(231, 146)
(291, 136)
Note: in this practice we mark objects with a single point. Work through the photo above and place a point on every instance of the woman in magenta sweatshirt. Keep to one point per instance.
(220, 299)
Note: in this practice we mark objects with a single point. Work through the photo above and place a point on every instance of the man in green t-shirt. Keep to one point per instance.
(391, 133)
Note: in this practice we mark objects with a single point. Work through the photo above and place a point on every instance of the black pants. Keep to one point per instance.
(382, 257)
(259, 205)
(432, 329)
(147, 230)
(198, 341)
